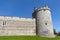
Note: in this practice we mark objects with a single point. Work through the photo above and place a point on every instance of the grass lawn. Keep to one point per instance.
(27, 38)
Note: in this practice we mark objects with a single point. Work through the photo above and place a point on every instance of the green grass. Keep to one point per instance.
(27, 38)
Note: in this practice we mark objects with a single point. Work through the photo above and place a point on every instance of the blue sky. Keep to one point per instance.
(25, 8)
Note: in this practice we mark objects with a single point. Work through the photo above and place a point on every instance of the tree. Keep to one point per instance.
(55, 32)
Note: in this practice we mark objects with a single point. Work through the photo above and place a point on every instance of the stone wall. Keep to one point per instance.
(17, 26)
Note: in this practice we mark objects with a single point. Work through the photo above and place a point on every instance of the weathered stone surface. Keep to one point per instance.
(44, 22)
(20, 26)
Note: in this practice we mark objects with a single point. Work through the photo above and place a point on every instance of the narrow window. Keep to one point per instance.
(4, 22)
(45, 23)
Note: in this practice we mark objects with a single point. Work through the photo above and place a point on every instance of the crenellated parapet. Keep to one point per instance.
(42, 8)
(16, 18)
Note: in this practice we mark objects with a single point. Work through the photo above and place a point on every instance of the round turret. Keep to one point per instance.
(44, 22)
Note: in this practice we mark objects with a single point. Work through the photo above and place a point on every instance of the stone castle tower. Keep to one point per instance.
(43, 22)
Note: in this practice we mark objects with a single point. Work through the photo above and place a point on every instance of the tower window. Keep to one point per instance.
(45, 23)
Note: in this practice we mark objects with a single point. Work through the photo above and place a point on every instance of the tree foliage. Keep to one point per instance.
(55, 32)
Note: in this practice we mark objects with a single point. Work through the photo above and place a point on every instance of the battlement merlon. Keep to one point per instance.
(42, 8)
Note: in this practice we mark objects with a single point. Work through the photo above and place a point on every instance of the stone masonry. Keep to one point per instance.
(17, 26)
